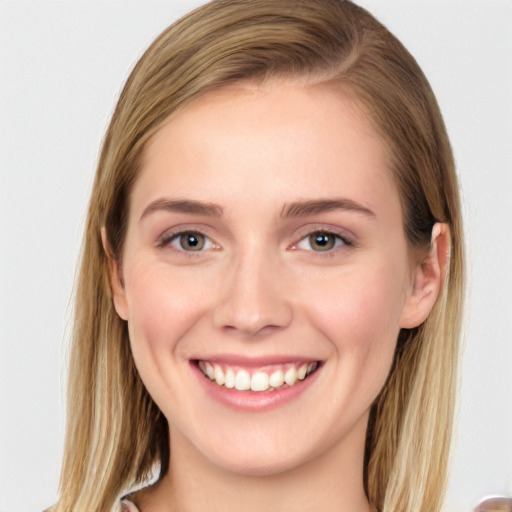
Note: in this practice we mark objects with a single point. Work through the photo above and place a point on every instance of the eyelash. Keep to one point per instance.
(168, 239)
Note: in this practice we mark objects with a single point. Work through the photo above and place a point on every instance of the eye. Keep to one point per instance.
(321, 241)
(189, 241)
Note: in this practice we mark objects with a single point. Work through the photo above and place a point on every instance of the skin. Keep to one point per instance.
(260, 288)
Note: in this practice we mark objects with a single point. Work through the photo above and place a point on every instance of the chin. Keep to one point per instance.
(253, 465)
(260, 454)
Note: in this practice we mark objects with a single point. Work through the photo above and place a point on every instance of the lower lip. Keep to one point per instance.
(253, 401)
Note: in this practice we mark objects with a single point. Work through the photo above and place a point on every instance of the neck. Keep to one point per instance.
(331, 481)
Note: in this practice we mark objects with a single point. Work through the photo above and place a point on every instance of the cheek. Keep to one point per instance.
(360, 316)
(162, 306)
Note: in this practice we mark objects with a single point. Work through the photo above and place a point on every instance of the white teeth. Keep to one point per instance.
(290, 377)
(230, 379)
(242, 381)
(218, 375)
(276, 380)
(259, 381)
(301, 372)
(209, 370)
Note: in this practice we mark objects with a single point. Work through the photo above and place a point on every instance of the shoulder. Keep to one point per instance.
(128, 506)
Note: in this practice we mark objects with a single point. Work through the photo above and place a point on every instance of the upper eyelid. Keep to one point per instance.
(187, 228)
(338, 231)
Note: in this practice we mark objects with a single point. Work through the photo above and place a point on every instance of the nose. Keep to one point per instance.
(254, 299)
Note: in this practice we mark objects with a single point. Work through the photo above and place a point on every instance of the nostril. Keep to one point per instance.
(267, 329)
(252, 330)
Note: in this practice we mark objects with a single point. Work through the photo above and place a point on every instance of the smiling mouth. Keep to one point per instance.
(267, 378)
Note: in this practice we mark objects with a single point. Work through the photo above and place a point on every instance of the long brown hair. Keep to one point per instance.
(116, 435)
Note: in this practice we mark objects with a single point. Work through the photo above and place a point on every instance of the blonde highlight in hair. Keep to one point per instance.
(116, 435)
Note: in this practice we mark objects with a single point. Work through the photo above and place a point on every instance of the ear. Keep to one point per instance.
(115, 278)
(428, 277)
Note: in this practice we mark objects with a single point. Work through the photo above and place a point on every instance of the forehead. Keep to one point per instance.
(303, 140)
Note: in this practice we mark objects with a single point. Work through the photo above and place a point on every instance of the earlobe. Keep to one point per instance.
(428, 278)
(116, 280)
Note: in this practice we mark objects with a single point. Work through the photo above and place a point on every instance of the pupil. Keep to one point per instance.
(322, 241)
(192, 241)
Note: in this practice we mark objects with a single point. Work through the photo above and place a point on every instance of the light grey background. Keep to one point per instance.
(62, 65)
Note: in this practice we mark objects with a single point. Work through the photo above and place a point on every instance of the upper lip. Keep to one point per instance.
(243, 360)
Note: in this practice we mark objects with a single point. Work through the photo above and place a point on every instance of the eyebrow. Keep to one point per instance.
(183, 206)
(301, 208)
(312, 207)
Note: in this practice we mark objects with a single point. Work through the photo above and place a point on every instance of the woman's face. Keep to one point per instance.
(265, 248)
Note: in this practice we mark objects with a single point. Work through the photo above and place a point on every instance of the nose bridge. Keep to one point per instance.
(254, 298)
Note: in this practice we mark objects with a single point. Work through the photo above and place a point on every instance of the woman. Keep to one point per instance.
(270, 294)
